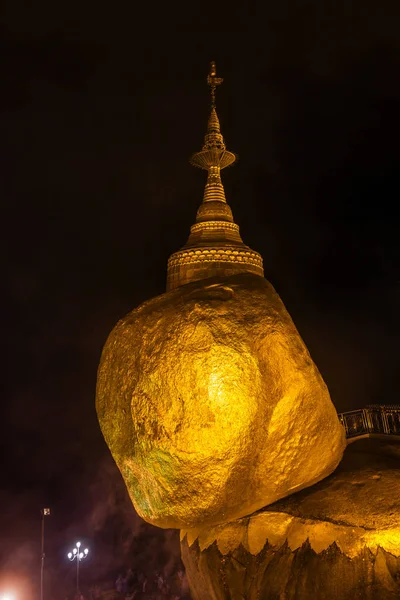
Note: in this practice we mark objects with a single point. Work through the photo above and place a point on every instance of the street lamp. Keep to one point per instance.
(77, 555)
(45, 513)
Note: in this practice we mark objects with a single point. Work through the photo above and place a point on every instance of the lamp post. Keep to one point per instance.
(77, 555)
(45, 513)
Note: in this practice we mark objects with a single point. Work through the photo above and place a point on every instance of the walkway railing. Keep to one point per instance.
(375, 418)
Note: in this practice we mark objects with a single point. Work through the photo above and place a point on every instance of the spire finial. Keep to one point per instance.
(213, 81)
(214, 152)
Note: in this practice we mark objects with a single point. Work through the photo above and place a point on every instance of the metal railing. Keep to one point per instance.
(375, 419)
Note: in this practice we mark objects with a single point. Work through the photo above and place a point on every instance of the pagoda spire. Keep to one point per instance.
(213, 156)
(214, 247)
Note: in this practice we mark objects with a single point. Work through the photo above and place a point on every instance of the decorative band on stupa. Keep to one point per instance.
(214, 247)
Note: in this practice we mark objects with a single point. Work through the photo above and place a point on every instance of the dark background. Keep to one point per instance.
(101, 105)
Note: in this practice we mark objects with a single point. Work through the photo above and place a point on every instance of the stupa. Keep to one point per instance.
(212, 406)
(214, 247)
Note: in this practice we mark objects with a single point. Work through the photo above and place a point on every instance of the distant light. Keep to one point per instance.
(77, 553)
(46, 511)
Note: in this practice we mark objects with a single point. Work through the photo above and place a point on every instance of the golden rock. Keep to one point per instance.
(212, 406)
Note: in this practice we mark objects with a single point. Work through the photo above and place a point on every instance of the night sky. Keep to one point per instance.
(101, 106)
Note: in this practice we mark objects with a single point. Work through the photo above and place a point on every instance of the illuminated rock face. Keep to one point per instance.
(338, 540)
(212, 406)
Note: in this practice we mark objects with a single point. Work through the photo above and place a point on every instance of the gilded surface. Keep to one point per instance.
(212, 406)
(355, 508)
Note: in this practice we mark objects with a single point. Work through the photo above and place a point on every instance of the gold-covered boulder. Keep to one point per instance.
(212, 406)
